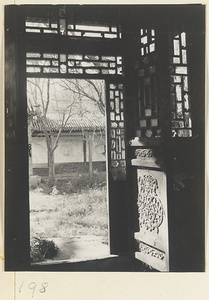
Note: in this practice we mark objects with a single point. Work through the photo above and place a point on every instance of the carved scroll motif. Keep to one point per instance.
(144, 153)
(151, 251)
(147, 154)
(150, 207)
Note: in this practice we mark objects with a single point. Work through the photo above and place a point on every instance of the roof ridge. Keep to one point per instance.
(73, 124)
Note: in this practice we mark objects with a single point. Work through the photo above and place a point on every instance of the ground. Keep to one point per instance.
(77, 222)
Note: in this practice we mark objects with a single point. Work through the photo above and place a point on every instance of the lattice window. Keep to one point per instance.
(149, 123)
(116, 117)
(93, 31)
(37, 62)
(180, 93)
(40, 25)
(66, 22)
(147, 37)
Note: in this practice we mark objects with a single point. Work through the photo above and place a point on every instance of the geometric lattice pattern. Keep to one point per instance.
(147, 41)
(180, 95)
(44, 26)
(93, 31)
(73, 64)
(65, 22)
(148, 124)
(117, 141)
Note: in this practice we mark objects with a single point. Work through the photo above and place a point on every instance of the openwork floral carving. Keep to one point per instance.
(150, 207)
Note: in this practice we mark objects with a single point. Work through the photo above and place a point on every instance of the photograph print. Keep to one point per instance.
(105, 138)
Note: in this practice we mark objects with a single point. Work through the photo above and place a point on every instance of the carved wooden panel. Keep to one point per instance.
(153, 219)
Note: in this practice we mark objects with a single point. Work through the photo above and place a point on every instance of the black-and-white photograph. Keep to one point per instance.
(105, 138)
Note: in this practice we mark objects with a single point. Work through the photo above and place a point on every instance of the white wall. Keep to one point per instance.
(98, 142)
(39, 150)
(70, 149)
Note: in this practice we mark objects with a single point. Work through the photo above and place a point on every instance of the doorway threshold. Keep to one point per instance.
(73, 260)
(78, 249)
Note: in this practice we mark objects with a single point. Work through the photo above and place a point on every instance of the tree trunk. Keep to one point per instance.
(50, 160)
(90, 154)
(84, 152)
(51, 167)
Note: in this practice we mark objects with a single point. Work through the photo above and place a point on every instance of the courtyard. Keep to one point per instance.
(72, 214)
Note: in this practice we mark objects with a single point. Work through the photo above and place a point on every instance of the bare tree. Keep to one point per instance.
(39, 97)
(89, 90)
(84, 98)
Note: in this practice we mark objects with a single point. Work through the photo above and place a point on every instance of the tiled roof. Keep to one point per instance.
(74, 124)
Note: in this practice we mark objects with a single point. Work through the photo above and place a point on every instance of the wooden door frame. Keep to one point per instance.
(18, 248)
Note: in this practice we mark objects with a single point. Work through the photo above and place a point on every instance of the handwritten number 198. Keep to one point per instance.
(44, 286)
(32, 286)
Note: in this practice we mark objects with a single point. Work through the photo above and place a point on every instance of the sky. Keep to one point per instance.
(62, 100)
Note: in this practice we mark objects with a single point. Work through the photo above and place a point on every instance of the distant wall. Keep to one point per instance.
(39, 151)
(71, 168)
(70, 150)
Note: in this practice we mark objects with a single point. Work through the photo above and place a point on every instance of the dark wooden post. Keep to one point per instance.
(30, 148)
(17, 235)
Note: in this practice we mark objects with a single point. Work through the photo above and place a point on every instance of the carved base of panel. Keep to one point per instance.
(152, 261)
(153, 257)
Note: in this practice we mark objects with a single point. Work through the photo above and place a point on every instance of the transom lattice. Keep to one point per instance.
(69, 22)
(37, 62)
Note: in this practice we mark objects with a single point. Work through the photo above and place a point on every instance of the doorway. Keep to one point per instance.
(68, 194)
